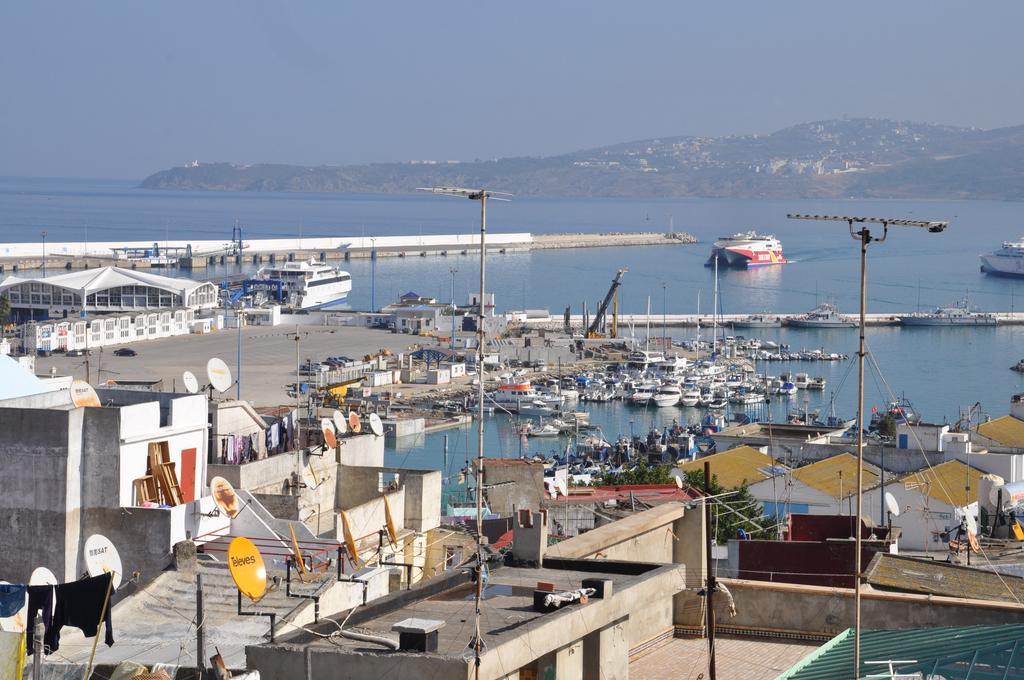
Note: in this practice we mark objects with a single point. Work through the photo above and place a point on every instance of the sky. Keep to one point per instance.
(121, 89)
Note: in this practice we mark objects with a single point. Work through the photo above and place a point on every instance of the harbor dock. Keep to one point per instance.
(200, 254)
(639, 321)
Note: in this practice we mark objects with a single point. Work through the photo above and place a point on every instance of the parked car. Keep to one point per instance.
(125, 352)
(78, 352)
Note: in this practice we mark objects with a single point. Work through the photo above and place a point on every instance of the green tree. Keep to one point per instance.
(5, 309)
(887, 425)
(641, 474)
(729, 513)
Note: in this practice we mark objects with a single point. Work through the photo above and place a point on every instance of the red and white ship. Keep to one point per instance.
(744, 251)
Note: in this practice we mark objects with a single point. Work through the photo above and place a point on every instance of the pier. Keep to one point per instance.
(725, 321)
(16, 257)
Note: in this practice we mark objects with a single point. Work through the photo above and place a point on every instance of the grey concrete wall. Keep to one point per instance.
(422, 499)
(40, 511)
(526, 491)
(141, 535)
(814, 609)
(101, 460)
(287, 662)
(362, 450)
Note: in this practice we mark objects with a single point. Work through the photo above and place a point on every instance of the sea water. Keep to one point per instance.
(940, 369)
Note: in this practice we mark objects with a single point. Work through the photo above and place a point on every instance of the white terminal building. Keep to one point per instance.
(109, 306)
(108, 290)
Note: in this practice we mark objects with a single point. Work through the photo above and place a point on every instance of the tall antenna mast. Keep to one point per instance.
(477, 195)
(865, 238)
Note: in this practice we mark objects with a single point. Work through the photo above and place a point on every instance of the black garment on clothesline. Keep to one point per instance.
(79, 604)
(40, 598)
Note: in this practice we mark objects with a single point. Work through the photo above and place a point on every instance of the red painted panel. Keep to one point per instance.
(188, 475)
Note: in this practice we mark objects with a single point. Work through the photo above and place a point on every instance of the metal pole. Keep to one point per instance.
(709, 581)
(865, 239)
(37, 653)
(200, 630)
(664, 315)
(44, 254)
(298, 395)
(238, 356)
(373, 274)
(481, 336)
(453, 270)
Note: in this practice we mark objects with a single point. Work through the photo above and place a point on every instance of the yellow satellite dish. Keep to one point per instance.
(247, 569)
(392, 532)
(224, 496)
(350, 542)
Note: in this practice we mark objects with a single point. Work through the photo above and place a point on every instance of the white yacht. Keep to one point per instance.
(667, 395)
(690, 397)
(642, 395)
(308, 284)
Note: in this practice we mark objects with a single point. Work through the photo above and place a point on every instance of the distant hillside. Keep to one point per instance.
(861, 158)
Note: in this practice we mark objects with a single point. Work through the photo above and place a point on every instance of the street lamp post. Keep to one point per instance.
(481, 195)
(865, 238)
(373, 274)
(44, 253)
(452, 271)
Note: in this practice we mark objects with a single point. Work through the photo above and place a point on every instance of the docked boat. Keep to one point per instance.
(1007, 261)
(667, 395)
(957, 314)
(746, 250)
(758, 321)
(690, 397)
(822, 316)
(305, 285)
(642, 395)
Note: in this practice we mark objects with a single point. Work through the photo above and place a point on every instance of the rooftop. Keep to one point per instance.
(968, 653)
(642, 493)
(912, 575)
(737, 658)
(1005, 430)
(835, 475)
(945, 482)
(108, 277)
(735, 467)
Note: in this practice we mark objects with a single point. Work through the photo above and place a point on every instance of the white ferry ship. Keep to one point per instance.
(309, 284)
(1007, 261)
(747, 250)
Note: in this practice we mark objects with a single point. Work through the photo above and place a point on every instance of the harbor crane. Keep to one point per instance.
(611, 297)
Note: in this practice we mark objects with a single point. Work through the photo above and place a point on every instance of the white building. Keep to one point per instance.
(929, 502)
(825, 487)
(103, 291)
(87, 334)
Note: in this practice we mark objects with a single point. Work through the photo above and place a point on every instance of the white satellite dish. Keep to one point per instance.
(188, 378)
(678, 481)
(42, 576)
(83, 394)
(219, 374)
(376, 426)
(17, 621)
(891, 504)
(101, 558)
(340, 422)
(561, 487)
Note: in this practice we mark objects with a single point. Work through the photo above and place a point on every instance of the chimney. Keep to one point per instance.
(530, 536)
(417, 635)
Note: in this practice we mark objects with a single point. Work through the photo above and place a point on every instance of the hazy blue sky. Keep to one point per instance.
(122, 89)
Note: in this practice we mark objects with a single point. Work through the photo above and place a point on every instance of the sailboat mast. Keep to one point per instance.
(714, 314)
(647, 342)
(698, 325)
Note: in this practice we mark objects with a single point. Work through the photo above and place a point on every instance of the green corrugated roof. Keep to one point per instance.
(969, 652)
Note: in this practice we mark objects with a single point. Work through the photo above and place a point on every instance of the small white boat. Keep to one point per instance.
(535, 408)
(690, 397)
(667, 395)
(816, 384)
(642, 395)
(787, 388)
(546, 430)
(801, 380)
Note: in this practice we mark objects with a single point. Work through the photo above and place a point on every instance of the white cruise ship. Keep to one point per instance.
(309, 284)
(1007, 261)
(746, 251)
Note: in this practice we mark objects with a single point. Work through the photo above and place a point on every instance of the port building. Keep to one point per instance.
(107, 290)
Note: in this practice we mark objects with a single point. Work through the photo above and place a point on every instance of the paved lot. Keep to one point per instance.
(268, 356)
(736, 659)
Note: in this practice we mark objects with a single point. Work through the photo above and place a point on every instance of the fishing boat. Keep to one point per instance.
(823, 316)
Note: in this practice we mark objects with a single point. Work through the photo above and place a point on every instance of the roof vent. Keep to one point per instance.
(417, 635)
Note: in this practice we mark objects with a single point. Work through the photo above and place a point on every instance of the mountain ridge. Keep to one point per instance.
(848, 158)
